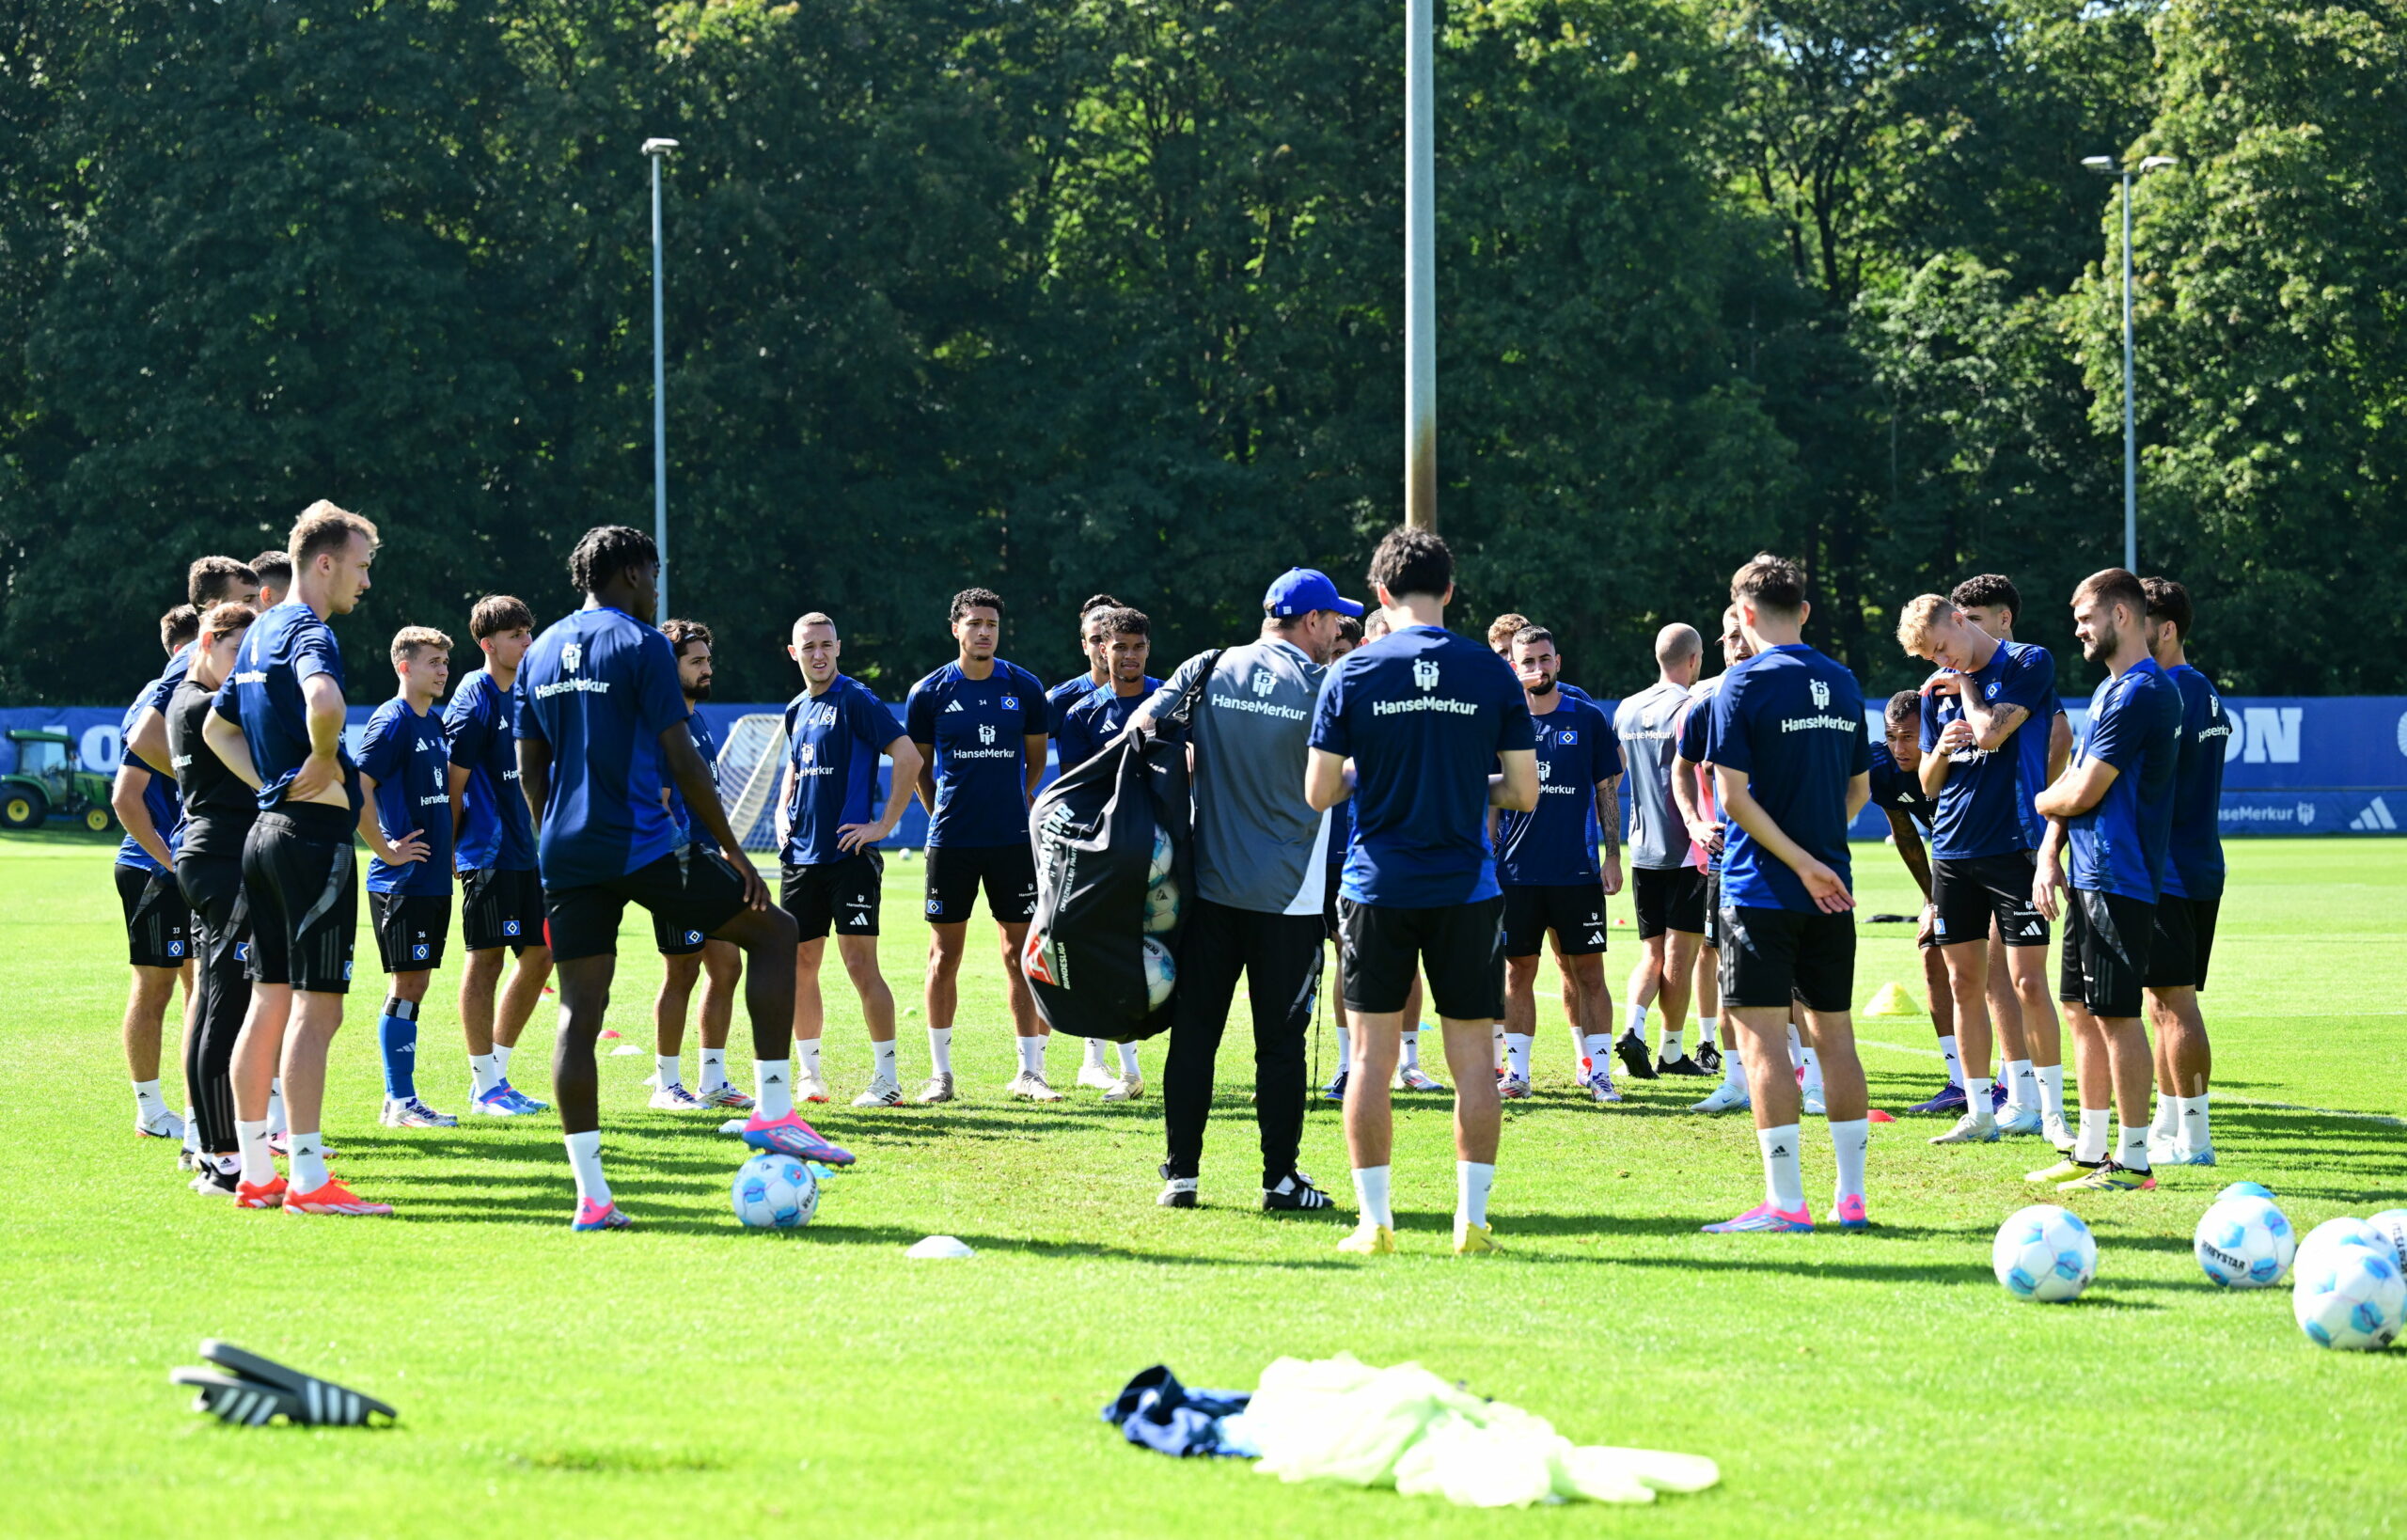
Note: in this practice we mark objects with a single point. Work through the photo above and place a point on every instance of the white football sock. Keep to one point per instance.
(1471, 1182)
(1705, 1029)
(2131, 1147)
(667, 1074)
(1600, 1049)
(484, 1074)
(1031, 1055)
(1411, 1059)
(1784, 1177)
(881, 1056)
(192, 1131)
(1516, 1055)
(501, 1052)
(807, 1049)
(1813, 1061)
(1954, 1060)
(1496, 1046)
(276, 1124)
(2192, 1132)
(714, 1068)
(1796, 1046)
(1371, 1195)
(1344, 1050)
(1976, 1094)
(2089, 1144)
(1094, 1053)
(1672, 1047)
(774, 1081)
(2051, 1091)
(584, 1158)
(147, 1100)
(2021, 1084)
(940, 1049)
(2165, 1126)
(1848, 1140)
(259, 1161)
(1734, 1069)
(1637, 1026)
(308, 1162)
(1128, 1061)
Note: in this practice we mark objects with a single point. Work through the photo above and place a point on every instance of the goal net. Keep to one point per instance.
(749, 763)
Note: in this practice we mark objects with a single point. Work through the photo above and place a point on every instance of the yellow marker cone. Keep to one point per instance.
(1893, 999)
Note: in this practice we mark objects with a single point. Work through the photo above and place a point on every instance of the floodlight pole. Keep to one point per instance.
(2104, 166)
(1420, 275)
(656, 151)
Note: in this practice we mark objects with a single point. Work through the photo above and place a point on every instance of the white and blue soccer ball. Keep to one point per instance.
(1161, 973)
(1162, 907)
(1162, 855)
(2343, 1231)
(2391, 1225)
(2045, 1253)
(775, 1191)
(2244, 1189)
(2244, 1242)
(2349, 1296)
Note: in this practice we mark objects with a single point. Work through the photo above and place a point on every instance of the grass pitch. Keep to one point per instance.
(691, 1375)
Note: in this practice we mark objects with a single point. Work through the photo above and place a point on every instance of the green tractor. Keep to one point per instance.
(51, 779)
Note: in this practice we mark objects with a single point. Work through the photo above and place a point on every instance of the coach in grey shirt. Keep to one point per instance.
(1261, 879)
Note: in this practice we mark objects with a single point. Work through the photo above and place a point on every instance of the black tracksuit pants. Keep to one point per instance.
(1280, 958)
(212, 884)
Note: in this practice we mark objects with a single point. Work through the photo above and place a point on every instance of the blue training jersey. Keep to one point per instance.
(1792, 721)
(601, 687)
(284, 649)
(976, 730)
(1061, 697)
(1985, 803)
(1095, 719)
(1423, 714)
(496, 832)
(1896, 787)
(1554, 845)
(160, 795)
(706, 745)
(2135, 725)
(833, 743)
(407, 758)
(2193, 861)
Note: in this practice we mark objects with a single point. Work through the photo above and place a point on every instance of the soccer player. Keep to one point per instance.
(1061, 697)
(279, 717)
(1790, 757)
(1692, 793)
(1260, 875)
(210, 581)
(2191, 892)
(218, 814)
(830, 873)
(501, 898)
(272, 571)
(602, 728)
(158, 923)
(1409, 728)
(1985, 743)
(2114, 806)
(405, 818)
(1548, 871)
(979, 725)
(1666, 881)
(1897, 791)
(1121, 641)
(685, 953)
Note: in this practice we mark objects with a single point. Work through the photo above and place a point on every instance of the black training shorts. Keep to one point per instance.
(1969, 894)
(500, 908)
(840, 895)
(1771, 956)
(1669, 898)
(1713, 906)
(2106, 952)
(1575, 912)
(2183, 943)
(1459, 947)
(158, 921)
(302, 882)
(955, 872)
(691, 889)
(411, 929)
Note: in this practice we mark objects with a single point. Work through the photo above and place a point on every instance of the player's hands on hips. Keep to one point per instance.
(857, 836)
(409, 847)
(1958, 737)
(756, 892)
(317, 773)
(1613, 875)
(1823, 887)
(1945, 681)
(2048, 891)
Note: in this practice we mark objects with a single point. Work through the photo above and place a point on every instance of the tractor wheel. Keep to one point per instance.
(22, 807)
(98, 819)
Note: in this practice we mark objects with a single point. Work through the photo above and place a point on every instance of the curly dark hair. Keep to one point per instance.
(1411, 560)
(681, 631)
(607, 550)
(969, 599)
(1771, 583)
(1989, 590)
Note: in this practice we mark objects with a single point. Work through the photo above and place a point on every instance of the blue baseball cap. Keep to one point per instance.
(1300, 590)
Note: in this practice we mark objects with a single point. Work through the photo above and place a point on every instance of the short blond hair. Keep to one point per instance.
(323, 527)
(409, 638)
(1505, 627)
(822, 618)
(1914, 622)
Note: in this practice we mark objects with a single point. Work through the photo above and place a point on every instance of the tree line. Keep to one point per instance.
(1075, 296)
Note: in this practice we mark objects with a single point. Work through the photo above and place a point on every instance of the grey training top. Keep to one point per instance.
(1259, 845)
(1646, 724)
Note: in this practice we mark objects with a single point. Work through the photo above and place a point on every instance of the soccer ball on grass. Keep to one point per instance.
(774, 1192)
(2045, 1253)
(2244, 1242)
(2349, 1296)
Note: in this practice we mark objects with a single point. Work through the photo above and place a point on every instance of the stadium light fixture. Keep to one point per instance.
(2104, 166)
(657, 150)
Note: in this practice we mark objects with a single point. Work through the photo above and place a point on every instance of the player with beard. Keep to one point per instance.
(602, 730)
(2113, 807)
(1692, 793)
(687, 954)
(979, 724)
(2193, 890)
(1061, 697)
(1121, 640)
